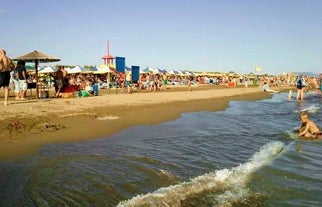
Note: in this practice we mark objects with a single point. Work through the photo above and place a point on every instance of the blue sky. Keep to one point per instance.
(200, 35)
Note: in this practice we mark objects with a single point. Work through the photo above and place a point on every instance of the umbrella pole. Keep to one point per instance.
(37, 89)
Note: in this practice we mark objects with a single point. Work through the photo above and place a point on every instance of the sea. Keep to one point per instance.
(246, 155)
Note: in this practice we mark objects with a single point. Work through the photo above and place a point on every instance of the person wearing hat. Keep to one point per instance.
(6, 66)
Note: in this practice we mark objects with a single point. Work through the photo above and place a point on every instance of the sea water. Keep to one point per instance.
(246, 155)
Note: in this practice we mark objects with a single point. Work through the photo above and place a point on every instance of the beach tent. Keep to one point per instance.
(180, 72)
(93, 69)
(68, 69)
(189, 73)
(157, 70)
(47, 69)
(128, 68)
(103, 69)
(309, 74)
(162, 70)
(90, 70)
(173, 72)
(149, 69)
(76, 69)
(145, 70)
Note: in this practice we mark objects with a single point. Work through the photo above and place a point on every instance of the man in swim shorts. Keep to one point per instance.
(59, 80)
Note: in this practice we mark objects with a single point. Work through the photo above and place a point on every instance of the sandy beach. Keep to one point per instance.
(29, 124)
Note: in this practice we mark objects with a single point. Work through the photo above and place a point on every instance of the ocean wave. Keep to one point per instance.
(229, 183)
(309, 109)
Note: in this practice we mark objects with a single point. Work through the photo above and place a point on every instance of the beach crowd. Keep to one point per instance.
(157, 89)
(89, 84)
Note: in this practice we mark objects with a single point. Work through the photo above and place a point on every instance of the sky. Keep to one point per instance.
(199, 35)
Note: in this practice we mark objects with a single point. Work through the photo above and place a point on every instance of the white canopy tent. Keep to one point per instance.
(102, 69)
(76, 69)
(47, 69)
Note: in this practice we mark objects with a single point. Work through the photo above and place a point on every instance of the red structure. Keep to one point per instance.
(108, 59)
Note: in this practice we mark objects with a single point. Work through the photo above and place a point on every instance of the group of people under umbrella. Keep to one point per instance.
(7, 65)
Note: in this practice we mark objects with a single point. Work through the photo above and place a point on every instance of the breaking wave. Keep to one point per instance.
(228, 185)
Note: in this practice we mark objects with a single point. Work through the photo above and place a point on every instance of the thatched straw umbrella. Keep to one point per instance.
(37, 57)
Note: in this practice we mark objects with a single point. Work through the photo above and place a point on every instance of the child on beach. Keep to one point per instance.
(266, 88)
(308, 128)
(290, 96)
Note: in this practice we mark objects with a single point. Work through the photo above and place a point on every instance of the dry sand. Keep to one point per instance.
(29, 124)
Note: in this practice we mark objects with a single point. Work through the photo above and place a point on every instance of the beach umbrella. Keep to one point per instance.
(37, 57)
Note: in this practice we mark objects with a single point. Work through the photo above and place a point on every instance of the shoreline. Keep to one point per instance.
(28, 125)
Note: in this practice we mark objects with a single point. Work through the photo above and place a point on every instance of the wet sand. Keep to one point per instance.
(29, 124)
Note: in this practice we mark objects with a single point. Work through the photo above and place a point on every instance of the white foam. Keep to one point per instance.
(232, 181)
(292, 134)
(310, 109)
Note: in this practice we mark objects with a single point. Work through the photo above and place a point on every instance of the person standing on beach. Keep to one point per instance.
(151, 81)
(190, 79)
(15, 79)
(164, 81)
(128, 81)
(6, 66)
(246, 82)
(21, 75)
(60, 76)
(121, 81)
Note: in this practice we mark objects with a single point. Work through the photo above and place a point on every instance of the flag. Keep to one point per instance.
(257, 69)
